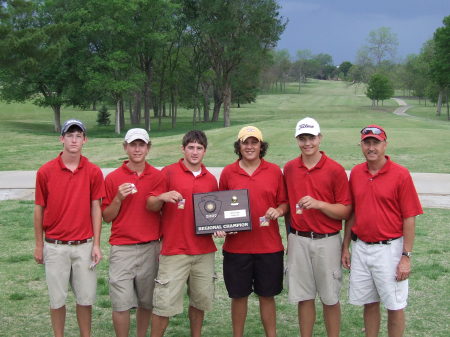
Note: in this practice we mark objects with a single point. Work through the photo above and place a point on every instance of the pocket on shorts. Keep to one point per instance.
(161, 292)
(401, 291)
(337, 276)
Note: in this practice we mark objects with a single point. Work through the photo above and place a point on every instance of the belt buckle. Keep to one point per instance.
(70, 242)
(312, 235)
(388, 242)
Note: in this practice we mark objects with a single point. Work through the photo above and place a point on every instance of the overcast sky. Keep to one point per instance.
(341, 27)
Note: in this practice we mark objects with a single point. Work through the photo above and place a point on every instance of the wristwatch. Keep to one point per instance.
(407, 254)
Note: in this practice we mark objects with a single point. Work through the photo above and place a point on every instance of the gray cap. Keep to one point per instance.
(68, 123)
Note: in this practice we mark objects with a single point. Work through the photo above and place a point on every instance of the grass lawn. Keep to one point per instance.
(24, 301)
(420, 142)
(416, 142)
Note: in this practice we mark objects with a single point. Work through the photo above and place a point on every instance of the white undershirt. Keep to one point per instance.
(196, 173)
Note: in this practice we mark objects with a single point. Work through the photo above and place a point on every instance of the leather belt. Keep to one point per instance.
(312, 235)
(381, 242)
(70, 243)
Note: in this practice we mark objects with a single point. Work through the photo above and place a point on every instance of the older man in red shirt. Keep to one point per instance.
(385, 206)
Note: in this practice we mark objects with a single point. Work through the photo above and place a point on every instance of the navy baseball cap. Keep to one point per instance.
(70, 122)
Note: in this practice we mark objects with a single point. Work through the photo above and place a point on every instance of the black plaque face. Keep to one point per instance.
(222, 211)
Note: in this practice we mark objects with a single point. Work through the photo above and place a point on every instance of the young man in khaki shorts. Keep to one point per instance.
(135, 234)
(185, 256)
(319, 199)
(67, 210)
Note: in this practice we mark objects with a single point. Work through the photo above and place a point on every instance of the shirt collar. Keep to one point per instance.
(262, 166)
(129, 171)
(185, 169)
(64, 167)
(319, 165)
(384, 169)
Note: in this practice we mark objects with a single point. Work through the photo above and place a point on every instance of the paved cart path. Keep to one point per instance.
(433, 188)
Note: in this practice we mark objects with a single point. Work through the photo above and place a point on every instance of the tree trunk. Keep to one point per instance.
(117, 119)
(136, 110)
(194, 116)
(439, 103)
(226, 104)
(57, 118)
(147, 67)
(205, 95)
(446, 98)
(122, 114)
(173, 98)
(218, 99)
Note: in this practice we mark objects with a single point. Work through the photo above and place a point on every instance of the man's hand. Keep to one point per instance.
(124, 190)
(272, 213)
(39, 254)
(345, 258)
(308, 202)
(96, 254)
(171, 196)
(403, 269)
(219, 234)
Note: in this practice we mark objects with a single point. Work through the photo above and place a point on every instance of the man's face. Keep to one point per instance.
(137, 151)
(308, 144)
(73, 141)
(194, 153)
(373, 149)
(250, 148)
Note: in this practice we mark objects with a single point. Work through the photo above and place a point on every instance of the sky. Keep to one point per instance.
(341, 27)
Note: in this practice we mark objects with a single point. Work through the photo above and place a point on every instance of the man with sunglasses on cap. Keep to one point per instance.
(319, 199)
(67, 226)
(135, 233)
(385, 205)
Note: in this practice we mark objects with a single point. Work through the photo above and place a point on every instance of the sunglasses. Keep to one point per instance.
(372, 130)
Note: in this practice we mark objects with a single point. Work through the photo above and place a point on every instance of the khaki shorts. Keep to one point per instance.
(314, 266)
(372, 276)
(66, 264)
(132, 273)
(177, 270)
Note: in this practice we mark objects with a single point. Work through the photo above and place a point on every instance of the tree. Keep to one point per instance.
(103, 116)
(344, 68)
(440, 63)
(281, 66)
(35, 55)
(379, 88)
(232, 31)
(382, 43)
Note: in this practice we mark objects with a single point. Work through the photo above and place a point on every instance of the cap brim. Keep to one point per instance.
(371, 135)
(132, 139)
(244, 138)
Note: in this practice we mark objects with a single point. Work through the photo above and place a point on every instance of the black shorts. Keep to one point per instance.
(258, 273)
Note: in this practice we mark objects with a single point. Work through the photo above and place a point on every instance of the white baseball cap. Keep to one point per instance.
(307, 125)
(137, 133)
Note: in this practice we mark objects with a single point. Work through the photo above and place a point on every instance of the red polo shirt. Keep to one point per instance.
(134, 224)
(382, 201)
(178, 226)
(66, 197)
(327, 181)
(266, 189)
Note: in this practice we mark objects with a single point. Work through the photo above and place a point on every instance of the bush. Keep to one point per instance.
(103, 116)
(379, 88)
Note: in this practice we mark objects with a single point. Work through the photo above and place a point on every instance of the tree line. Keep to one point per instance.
(146, 56)
(426, 75)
